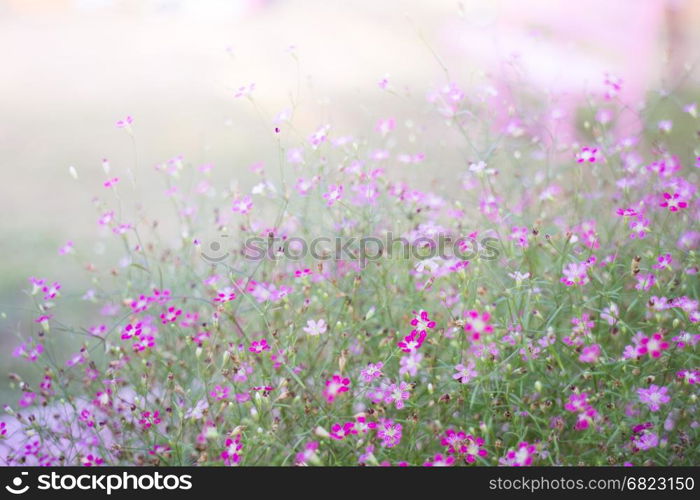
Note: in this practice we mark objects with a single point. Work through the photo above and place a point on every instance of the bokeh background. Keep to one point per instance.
(71, 68)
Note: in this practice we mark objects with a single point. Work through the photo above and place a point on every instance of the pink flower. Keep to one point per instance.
(305, 186)
(341, 431)
(258, 346)
(477, 324)
(639, 227)
(472, 447)
(653, 345)
(336, 385)
(421, 321)
(92, 460)
(225, 295)
(125, 123)
(29, 350)
(465, 373)
(244, 91)
(576, 273)
(242, 205)
(585, 418)
(219, 393)
(440, 461)
(27, 399)
(412, 341)
(645, 281)
(626, 212)
(520, 457)
(577, 402)
(644, 440)
(663, 262)
(320, 136)
(673, 202)
(232, 451)
(171, 315)
(519, 235)
(590, 354)
(410, 364)
(385, 126)
(587, 155)
(333, 194)
(389, 432)
(397, 394)
(684, 339)
(140, 304)
(691, 377)
(50, 292)
(149, 419)
(66, 249)
(654, 396)
(309, 454)
(372, 371)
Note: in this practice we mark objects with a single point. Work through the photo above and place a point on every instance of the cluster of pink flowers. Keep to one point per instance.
(585, 413)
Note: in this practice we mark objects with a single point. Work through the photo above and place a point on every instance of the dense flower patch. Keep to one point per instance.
(572, 341)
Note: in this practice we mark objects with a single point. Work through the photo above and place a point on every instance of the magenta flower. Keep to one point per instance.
(575, 273)
(171, 315)
(519, 235)
(372, 371)
(232, 451)
(125, 123)
(440, 461)
(220, 393)
(389, 432)
(654, 396)
(421, 321)
(577, 402)
(471, 447)
(673, 202)
(308, 455)
(590, 354)
(258, 346)
(335, 386)
(412, 342)
(92, 460)
(663, 262)
(225, 295)
(477, 324)
(587, 155)
(645, 281)
(519, 457)
(645, 440)
(341, 431)
(50, 291)
(28, 350)
(27, 399)
(653, 345)
(691, 377)
(585, 418)
(397, 394)
(149, 419)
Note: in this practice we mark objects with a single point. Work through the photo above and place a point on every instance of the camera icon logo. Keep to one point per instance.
(16, 488)
(214, 252)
